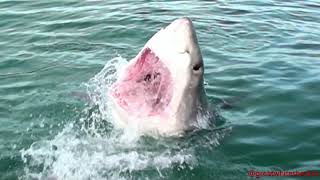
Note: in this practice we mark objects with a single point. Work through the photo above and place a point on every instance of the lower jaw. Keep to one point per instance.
(161, 124)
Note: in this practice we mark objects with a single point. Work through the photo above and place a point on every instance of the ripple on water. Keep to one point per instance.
(262, 58)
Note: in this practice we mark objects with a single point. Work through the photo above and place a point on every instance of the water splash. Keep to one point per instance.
(91, 148)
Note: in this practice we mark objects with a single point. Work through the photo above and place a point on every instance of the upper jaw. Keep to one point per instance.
(177, 46)
(176, 39)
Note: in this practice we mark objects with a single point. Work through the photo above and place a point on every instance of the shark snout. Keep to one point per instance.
(178, 23)
(185, 20)
(182, 35)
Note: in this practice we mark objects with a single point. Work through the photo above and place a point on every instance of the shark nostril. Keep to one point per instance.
(196, 67)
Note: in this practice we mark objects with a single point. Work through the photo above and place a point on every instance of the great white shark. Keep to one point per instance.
(161, 89)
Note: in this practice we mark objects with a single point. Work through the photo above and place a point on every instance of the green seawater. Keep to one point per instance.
(261, 57)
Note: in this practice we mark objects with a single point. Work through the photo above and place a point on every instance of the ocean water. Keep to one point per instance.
(57, 58)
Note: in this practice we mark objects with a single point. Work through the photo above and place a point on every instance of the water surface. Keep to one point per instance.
(261, 56)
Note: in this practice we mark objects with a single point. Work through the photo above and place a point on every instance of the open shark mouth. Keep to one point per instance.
(146, 88)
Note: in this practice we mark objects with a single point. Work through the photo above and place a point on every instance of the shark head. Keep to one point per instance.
(161, 89)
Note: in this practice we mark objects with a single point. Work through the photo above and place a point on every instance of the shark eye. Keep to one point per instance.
(196, 67)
